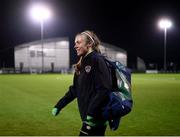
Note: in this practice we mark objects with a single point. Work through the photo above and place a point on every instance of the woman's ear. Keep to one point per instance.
(89, 45)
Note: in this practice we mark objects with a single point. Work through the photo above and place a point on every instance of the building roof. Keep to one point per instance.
(113, 47)
(44, 41)
(106, 45)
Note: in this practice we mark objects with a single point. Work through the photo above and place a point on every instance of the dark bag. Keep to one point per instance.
(120, 98)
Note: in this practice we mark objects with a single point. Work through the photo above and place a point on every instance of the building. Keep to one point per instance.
(114, 53)
(50, 56)
(53, 55)
(141, 67)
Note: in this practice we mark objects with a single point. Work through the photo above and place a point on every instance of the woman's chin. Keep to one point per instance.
(79, 54)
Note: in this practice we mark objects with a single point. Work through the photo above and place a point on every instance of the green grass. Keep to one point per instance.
(26, 102)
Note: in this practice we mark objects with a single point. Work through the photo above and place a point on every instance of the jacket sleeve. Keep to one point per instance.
(68, 97)
(102, 84)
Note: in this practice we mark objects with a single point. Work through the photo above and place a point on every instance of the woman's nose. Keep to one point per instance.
(75, 46)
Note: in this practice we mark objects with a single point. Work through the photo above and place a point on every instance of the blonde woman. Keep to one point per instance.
(91, 85)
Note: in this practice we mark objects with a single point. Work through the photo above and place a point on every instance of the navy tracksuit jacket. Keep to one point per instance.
(91, 87)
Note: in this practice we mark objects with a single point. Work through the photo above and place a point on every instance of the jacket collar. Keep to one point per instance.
(89, 55)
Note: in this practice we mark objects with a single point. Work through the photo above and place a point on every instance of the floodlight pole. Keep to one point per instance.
(165, 35)
(41, 13)
(165, 24)
(42, 43)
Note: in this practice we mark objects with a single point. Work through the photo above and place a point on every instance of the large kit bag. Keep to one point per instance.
(120, 98)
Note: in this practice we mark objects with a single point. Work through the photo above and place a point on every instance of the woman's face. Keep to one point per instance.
(81, 45)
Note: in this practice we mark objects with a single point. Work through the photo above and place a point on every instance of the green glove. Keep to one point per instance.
(55, 111)
(93, 123)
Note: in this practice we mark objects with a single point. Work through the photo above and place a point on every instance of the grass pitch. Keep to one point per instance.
(26, 102)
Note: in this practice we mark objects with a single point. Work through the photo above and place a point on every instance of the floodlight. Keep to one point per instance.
(165, 23)
(40, 12)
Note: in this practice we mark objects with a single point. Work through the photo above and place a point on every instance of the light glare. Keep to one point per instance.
(165, 23)
(40, 12)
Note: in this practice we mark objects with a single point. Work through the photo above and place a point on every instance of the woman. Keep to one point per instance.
(91, 85)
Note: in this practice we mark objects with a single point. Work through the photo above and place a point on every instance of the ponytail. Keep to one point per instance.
(77, 66)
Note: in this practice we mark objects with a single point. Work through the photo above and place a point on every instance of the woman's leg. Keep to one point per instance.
(87, 130)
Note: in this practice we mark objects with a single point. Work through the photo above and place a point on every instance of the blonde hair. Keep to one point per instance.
(91, 38)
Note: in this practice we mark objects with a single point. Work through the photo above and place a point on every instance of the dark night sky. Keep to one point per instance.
(131, 25)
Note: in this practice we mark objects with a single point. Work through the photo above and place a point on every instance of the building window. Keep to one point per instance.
(32, 53)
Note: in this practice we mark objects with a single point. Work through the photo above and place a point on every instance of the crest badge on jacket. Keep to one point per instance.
(87, 69)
